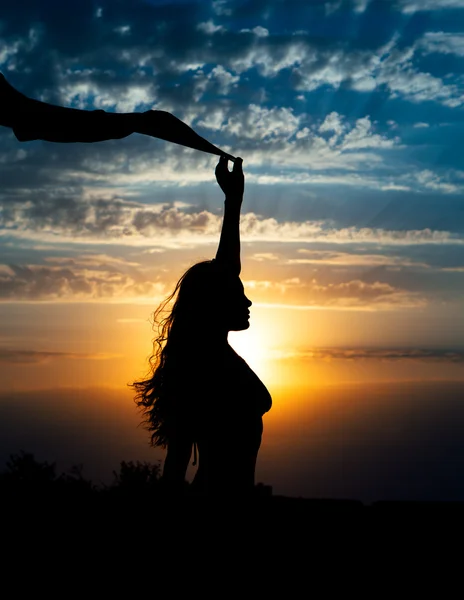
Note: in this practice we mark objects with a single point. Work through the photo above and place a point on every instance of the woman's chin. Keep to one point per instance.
(240, 326)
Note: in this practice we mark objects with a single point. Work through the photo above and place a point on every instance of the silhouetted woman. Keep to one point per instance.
(201, 392)
(34, 120)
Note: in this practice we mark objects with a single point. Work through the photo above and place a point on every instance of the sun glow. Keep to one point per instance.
(255, 346)
(263, 343)
(251, 346)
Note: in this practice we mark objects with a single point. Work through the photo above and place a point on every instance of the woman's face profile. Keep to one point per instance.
(234, 306)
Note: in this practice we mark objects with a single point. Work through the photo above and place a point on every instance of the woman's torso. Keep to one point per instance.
(228, 401)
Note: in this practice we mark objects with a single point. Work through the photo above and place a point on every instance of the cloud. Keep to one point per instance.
(332, 122)
(315, 67)
(443, 355)
(29, 357)
(442, 42)
(256, 229)
(220, 7)
(282, 151)
(71, 283)
(353, 294)
(264, 256)
(388, 66)
(361, 5)
(361, 136)
(100, 261)
(258, 31)
(267, 57)
(128, 74)
(397, 72)
(209, 27)
(123, 29)
(218, 82)
(128, 99)
(412, 6)
(258, 123)
(104, 219)
(334, 164)
(340, 278)
(331, 257)
(333, 6)
(229, 83)
(214, 120)
(224, 79)
(430, 180)
(280, 286)
(278, 136)
(359, 293)
(76, 280)
(92, 61)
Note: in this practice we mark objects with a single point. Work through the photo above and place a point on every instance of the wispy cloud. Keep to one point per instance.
(330, 257)
(75, 282)
(445, 355)
(105, 219)
(442, 42)
(411, 6)
(41, 356)
(349, 294)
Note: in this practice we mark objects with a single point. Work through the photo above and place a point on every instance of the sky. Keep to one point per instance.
(349, 117)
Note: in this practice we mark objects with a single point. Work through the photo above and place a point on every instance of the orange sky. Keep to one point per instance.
(349, 413)
(51, 344)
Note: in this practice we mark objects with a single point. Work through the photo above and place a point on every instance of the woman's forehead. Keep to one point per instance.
(234, 284)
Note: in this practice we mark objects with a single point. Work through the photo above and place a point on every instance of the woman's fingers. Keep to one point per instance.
(231, 182)
(238, 164)
(221, 167)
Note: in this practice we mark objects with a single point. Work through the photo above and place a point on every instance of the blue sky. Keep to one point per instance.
(349, 117)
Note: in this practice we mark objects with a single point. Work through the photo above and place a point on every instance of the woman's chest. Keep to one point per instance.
(231, 379)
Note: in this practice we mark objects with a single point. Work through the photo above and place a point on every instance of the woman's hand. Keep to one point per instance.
(232, 183)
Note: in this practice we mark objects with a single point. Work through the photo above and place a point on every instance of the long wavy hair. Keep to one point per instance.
(163, 396)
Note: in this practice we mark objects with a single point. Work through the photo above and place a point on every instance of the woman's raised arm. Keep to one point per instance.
(232, 184)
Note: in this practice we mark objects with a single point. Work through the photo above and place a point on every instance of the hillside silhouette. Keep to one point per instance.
(26, 480)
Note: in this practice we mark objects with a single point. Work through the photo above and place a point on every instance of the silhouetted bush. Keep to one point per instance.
(24, 471)
(74, 480)
(25, 477)
(263, 491)
(137, 476)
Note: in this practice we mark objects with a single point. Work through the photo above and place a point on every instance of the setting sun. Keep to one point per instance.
(252, 345)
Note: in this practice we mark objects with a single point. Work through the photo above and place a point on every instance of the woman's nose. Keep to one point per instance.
(249, 302)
